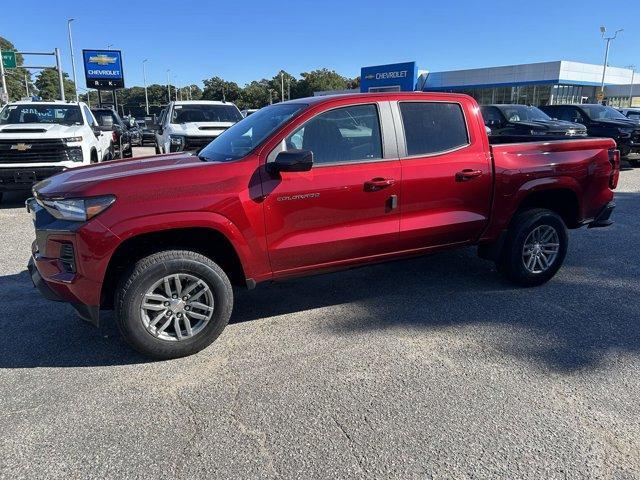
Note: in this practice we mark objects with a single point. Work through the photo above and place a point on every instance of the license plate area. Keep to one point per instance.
(24, 177)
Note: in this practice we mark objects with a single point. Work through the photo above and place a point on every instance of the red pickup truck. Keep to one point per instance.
(303, 187)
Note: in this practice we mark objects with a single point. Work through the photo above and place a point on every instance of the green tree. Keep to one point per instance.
(15, 76)
(215, 88)
(254, 94)
(48, 85)
(320, 80)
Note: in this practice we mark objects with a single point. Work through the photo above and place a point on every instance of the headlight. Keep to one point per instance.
(176, 139)
(77, 209)
(538, 132)
(72, 139)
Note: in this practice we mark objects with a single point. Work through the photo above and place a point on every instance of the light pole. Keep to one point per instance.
(168, 83)
(73, 59)
(109, 46)
(144, 79)
(281, 87)
(603, 30)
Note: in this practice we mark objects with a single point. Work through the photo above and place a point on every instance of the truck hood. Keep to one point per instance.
(552, 125)
(618, 123)
(200, 128)
(78, 181)
(24, 131)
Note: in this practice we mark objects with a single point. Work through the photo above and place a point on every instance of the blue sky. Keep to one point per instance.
(250, 39)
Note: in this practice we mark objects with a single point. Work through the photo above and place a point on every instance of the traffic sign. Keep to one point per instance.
(9, 59)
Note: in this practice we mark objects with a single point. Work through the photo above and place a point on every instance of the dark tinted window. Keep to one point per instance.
(433, 127)
(491, 116)
(341, 135)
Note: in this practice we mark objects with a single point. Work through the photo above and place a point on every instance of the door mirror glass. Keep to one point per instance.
(291, 161)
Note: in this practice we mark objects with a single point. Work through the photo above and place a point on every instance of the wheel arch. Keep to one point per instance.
(559, 197)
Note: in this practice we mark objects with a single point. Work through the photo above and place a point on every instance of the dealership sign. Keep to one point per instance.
(103, 69)
(396, 77)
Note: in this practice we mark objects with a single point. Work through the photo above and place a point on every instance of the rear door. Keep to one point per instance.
(446, 173)
(345, 208)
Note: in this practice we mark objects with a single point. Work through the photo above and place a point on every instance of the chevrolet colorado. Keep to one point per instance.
(302, 187)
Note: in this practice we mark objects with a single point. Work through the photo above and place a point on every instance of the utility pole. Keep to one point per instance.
(73, 60)
(144, 77)
(168, 83)
(288, 89)
(633, 74)
(4, 81)
(26, 84)
(281, 86)
(603, 30)
(56, 51)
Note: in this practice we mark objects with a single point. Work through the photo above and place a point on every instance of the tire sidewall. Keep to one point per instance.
(130, 319)
(515, 267)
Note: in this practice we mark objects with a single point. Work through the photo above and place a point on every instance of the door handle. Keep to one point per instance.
(378, 183)
(467, 174)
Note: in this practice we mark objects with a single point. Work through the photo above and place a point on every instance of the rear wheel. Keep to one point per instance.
(158, 151)
(173, 304)
(635, 162)
(94, 156)
(535, 248)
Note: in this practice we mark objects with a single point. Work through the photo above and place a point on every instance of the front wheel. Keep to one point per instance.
(173, 304)
(535, 248)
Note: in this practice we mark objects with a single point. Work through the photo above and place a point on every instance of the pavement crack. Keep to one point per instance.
(193, 439)
(351, 445)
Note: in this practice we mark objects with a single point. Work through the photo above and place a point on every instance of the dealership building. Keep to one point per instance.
(545, 83)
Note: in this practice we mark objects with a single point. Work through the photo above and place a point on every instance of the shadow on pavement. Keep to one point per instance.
(14, 199)
(588, 310)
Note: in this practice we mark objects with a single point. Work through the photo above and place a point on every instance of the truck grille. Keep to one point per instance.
(196, 143)
(37, 151)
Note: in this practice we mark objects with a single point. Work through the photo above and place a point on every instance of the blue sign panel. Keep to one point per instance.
(103, 69)
(396, 77)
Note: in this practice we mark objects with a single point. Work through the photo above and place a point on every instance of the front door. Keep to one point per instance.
(446, 175)
(345, 207)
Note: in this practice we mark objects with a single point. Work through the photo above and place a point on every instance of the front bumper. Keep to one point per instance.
(23, 178)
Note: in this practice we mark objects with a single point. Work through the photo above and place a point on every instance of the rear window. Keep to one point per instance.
(433, 127)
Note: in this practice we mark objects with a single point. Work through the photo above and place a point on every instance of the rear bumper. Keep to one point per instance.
(603, 217)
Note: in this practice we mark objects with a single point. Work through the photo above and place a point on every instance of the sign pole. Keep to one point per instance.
(60, 76)
(4, 81)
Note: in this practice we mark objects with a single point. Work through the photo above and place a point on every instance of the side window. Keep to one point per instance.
(491, 116)
(340, 135)
(433, 127)
(563, 113)
(90, 120)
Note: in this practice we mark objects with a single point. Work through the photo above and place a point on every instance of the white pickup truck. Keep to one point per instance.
(39, 139)
(191, 125)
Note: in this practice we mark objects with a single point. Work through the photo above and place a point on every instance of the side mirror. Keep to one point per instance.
(291, 161)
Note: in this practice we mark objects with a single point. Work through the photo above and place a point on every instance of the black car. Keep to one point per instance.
(147, 130)
(601, 121)
(522, 123)
(109, 118)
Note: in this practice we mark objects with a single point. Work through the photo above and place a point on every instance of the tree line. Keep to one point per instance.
(255, 94)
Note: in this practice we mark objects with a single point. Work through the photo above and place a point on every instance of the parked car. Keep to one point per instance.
(39, 139)
(298, 188)
(631, 113)
(136, 134)
(601, 121)
(109, 118)
(147, 131)
(190, 125)
(522, 123)
(248, 111)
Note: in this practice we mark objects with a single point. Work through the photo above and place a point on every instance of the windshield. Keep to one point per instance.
(205, 113)
(60, 114)
(246, 135)
(522, 113)
(600, 112)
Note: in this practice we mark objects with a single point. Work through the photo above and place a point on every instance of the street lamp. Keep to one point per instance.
(109, 46)
(168, 83)
(603, 31)
(144, 78)
(73, 60)
(633, 74)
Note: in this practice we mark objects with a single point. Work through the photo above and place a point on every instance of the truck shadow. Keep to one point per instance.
(14, 199)
(588, 312)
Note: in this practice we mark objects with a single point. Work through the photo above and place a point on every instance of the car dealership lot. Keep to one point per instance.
(433, 367)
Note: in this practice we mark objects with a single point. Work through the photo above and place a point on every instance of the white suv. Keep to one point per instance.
(39, 139)
(191, 125)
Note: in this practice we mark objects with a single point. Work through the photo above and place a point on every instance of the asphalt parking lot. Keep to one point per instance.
(427, 368)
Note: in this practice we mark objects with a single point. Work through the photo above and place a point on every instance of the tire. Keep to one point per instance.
(1, 195)
(134, 321)
(634, 162)
(533, 227)
(158, 152)
(94, 157)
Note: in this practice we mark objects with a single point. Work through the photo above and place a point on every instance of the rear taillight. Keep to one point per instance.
(614, 159)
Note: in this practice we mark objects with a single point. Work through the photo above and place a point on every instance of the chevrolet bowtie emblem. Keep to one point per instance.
(369, 77)
(102, 59)
(21, 147)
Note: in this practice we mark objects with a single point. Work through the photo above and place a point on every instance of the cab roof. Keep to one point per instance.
(378, 95)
